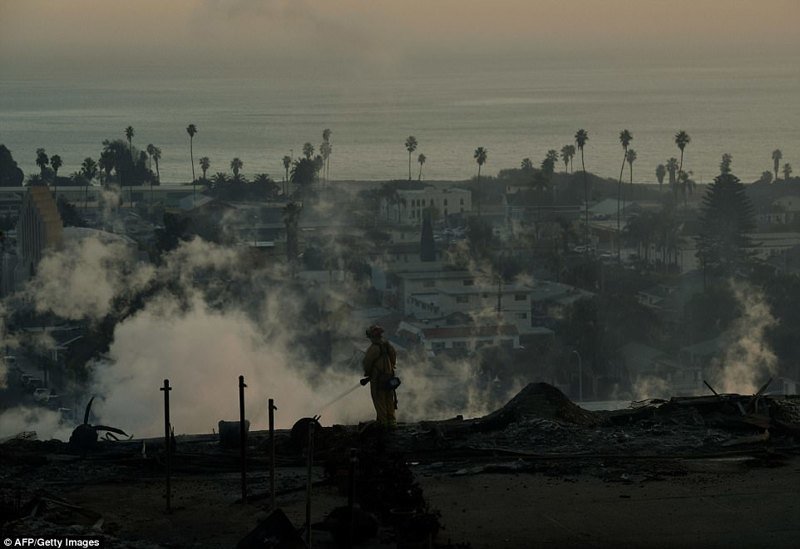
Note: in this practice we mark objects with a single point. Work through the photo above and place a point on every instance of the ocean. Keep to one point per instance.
(514, 112)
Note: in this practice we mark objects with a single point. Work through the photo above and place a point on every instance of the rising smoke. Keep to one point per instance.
(211, 314)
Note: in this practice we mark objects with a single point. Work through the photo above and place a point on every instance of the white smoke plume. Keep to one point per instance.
(46, 423)
(82, 279)
(747, 361)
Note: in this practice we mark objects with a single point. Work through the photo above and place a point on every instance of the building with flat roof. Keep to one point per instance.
(39, 228)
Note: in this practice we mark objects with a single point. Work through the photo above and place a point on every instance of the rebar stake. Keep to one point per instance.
(167, 442)
(243, 439)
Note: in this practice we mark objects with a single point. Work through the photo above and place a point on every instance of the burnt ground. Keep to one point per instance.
(694, 472)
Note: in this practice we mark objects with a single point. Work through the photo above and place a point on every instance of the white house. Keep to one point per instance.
(407, 206)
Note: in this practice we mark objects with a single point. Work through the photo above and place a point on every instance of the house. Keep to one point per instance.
(465, 338)
(407, 206)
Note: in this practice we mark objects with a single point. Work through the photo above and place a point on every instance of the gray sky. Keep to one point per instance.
(197, 35)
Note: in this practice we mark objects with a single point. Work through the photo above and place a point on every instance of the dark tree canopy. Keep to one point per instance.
(10, 174)
(726, 219)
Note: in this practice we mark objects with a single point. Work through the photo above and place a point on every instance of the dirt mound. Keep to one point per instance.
(537, 400)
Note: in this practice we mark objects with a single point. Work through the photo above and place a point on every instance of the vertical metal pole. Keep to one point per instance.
(167, 442)
(272, 409)
(351, 496)
(308, 485)
(243, 438)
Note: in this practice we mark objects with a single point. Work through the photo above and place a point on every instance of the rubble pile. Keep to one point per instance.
(537, 400)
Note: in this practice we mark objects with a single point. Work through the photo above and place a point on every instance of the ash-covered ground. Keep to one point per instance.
(453, 483)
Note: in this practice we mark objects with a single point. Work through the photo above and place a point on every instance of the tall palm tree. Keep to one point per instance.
(631, 158)
(308, 150)
(480, 155)
(681, 140)
(565, 157)
(55, 162)
(325, 152)
(787, 171)
(287, 162)
(672, 170)
(581, 137)
(236, 165)
(149, 149)
(129, 136)
(204, 163)
(777, 156)
(191, 129)
(156, 157)
(411, 146)
(625, 138)
(89, 168)
(661, 172)
(42, 160)
(421, 159)
(326, 138)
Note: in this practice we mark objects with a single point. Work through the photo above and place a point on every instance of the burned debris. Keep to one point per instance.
(84, 436)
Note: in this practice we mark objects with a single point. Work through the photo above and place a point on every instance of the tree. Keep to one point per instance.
(156, 157)
(681, 140)
(326, 139)
(42, 160)
(411, 146)
(480, 155)
(625, 138)
(725, 164)
(287, 162)
(787, 171)
(686, 184)
(204, 163)
(304, 173)
(581, 137)
(526, 165)
(236, 166)
(56, 163)
(567, 152)
(191, 129)
(89, 168)
(308, 150)
(631, 158)
(421, 159)
(777, 156)
(129, 133)
(10, 174)
(766, 177)
(726, 218)
(672, 169)
(661, 172)
(150, 148)
(325, 152)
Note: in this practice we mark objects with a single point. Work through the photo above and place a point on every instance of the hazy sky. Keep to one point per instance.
(198, 35)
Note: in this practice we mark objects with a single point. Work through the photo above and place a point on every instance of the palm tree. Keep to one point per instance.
(421, 159)
(89, 168)
(219, 180)
(686, 185)
(55, 162)
(308, 150)
(480, 156)
(411, 146)
(625, 138)
(681, 140)
(777, 156)
(149, 149)
(787, 171)
(236, 165)
(661, 172)
(672, 170)
(129, 136)
(581, 137)
(287, 162)
(191, 129)
(42, 160)
(156, 157)
(526, 165)
(567, 152)
(631, 158)
(325, 152)
(326, 138)
(204, 163)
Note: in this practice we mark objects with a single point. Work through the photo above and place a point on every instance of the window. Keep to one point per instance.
(468, 282)
(462, 299)
(520, 297)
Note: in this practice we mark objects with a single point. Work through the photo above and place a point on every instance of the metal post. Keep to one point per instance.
(167, 442)
(308, 485)
(243, 438)
(272, 409)
(580, 376)
(351, 495)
